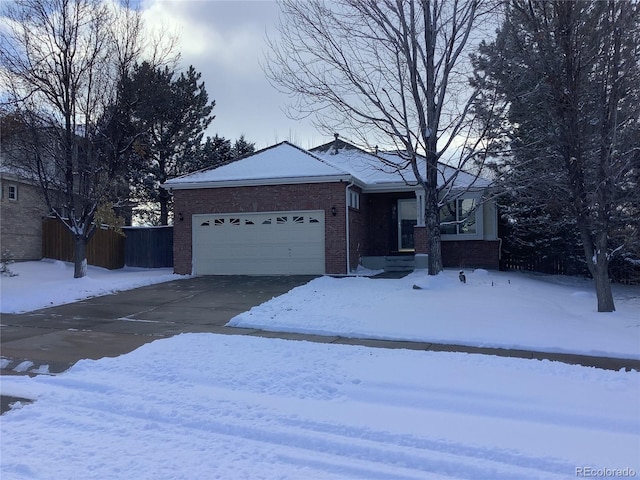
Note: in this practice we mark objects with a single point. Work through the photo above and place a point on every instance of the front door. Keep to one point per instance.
(407, 219)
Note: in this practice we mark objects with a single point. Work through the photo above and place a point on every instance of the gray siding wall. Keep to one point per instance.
(21, 221)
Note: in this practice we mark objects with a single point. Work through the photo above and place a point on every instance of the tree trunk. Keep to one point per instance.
(601, 279)
(598, 264)
(432, 222)
(435, 253)
(603, 290)
(163, 199)
(164, 212)
(432, 212)
(80, 257)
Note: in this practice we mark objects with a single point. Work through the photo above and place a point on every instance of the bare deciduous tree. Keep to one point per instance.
(392, 71)
(62, 62)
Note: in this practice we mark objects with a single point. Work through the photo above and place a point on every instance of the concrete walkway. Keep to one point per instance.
(51, 340)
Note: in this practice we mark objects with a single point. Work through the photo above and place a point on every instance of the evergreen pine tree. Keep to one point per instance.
(173, 112)
(569, 76)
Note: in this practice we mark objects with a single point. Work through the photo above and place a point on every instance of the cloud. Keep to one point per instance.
(229, 34)
(225, 41)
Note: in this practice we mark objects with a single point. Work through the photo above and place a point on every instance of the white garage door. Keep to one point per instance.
(259, 243)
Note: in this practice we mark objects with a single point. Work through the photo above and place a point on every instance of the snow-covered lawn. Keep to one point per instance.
(236, 407)
(493, 309)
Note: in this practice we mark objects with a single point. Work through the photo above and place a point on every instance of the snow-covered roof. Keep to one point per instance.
(367, 169)
(335, 161)
(279, 164)
(462, 178)
(17, 174)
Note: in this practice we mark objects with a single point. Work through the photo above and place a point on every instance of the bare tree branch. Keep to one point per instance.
(389, 72)
(62, 62)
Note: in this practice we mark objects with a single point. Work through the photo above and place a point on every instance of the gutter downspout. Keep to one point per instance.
(348, 234)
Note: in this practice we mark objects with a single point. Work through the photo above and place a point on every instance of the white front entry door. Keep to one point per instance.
(407, 219)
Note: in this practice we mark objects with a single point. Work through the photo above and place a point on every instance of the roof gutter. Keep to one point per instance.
(257, 182)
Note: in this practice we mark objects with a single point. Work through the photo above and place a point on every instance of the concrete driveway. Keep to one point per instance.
(115, 324)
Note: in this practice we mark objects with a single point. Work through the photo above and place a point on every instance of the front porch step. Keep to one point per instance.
(399, 263)
(395, 263)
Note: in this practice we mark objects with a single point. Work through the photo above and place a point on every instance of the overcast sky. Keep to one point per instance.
(226, 42)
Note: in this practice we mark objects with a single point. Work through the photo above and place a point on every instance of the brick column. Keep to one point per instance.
(420, 240)
(421, 246)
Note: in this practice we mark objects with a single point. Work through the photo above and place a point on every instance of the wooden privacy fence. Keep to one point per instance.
(147, 247)
(105, 249)
(620, 271)
(553, 266)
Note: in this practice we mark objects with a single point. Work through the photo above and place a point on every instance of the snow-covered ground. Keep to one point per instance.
(236, 407)
(233, 407)
(50, 282)
(493, 309)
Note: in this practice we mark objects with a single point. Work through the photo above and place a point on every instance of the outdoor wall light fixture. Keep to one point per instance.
(180, 217)
(334, 211)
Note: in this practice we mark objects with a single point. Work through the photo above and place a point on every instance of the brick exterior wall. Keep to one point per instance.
(371, 227)
(462, 253)
(420, 239)
(358, 231)
(270, 198)
(471, 254)
(21, 221)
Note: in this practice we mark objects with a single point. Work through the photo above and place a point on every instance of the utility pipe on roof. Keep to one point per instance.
(348, 234)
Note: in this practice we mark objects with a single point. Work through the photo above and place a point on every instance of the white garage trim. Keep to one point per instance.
(265, 243)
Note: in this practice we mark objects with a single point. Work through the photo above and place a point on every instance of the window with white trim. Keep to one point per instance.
(459, 217)
(12, 192)
(354, 200)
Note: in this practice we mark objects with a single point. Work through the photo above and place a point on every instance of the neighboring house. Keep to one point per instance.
(21, 211)
(285, 210)
(23, 206)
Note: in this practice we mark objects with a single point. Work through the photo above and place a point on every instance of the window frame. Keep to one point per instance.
(478, 220)
(354, 200)
(12, 192)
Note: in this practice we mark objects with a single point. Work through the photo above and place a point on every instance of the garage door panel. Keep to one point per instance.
(259, 243)
(258, 248)
(214, 247)
(261, 266)
(236, 253)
